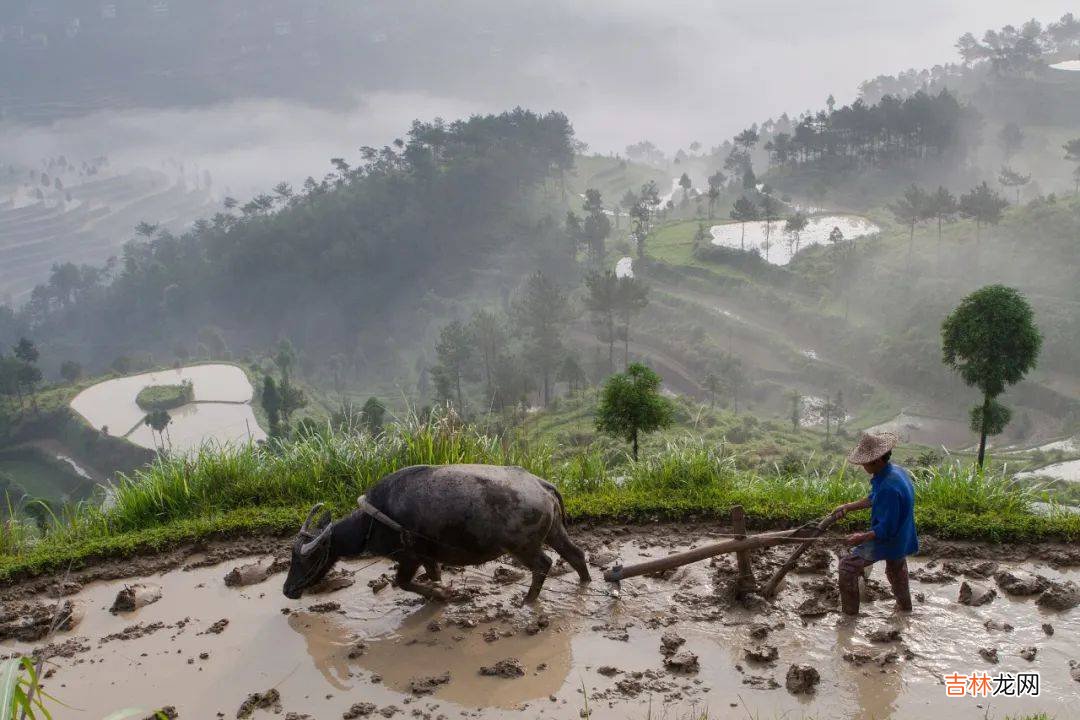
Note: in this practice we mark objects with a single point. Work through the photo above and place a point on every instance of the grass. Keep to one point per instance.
(267, 489)
(165, 397)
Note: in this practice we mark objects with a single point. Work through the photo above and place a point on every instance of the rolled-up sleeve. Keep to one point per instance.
(886, 514)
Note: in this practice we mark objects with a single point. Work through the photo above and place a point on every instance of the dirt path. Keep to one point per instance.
(670, 643)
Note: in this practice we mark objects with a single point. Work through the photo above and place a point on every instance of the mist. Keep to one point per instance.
(672, 73)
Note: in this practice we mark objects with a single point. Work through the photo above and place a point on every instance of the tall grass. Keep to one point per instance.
(268, 487)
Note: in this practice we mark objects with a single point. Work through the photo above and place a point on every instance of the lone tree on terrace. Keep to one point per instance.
(991, 339)
(631, 404)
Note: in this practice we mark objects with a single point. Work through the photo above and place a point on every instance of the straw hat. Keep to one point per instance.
(872, 446)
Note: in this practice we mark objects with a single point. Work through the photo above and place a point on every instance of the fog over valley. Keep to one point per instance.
(522, 358)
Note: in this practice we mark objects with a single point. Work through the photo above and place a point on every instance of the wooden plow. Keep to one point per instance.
(741, 544)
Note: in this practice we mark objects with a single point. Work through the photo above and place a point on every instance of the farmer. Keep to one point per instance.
(892, 523)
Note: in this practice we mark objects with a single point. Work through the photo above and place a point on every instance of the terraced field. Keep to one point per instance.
(89, 227)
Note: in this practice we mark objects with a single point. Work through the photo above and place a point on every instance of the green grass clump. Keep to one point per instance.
(165, 397)
(261, 489)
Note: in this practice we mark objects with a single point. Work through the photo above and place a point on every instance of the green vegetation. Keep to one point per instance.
(992, 341)
(631, 405)
(29, 472)
(165, 397)
(268, 489)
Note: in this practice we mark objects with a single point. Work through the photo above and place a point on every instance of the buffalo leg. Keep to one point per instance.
(407, 568)
(434, 572)
(540, 564)
(560, 542)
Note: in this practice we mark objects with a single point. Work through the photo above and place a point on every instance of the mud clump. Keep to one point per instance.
(133, 632)
(989, 654)
(334, 581)
(925, 575)
(1019, 582)
(67, 649)
(217, 628)
(269, 700)
(508, 668)
(64, 588)
(992, 625)
(761, 653)
(379, 584)
(253, 573)
(670, 642)
(1060, 596)
(816, 562)
(802, 679)
(973, 594)
(359, 710)
(861, 657)
(325, 607)
(134, 596)
(33, 621)
(760, 682)
(1029, 652)
(1074, 670)
(428, 685)
(684, 662)
(977, 570)
(884, 634)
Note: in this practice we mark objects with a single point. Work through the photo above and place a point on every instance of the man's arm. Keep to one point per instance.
(844, 509)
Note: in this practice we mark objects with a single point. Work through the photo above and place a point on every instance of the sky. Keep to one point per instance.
(672, 72)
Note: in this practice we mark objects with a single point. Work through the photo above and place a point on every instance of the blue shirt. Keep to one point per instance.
(892, 515)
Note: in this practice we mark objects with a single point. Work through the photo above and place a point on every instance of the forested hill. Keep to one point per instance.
(365, 254)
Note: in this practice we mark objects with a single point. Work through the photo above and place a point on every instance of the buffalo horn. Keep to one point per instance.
(307, 523)
(315, 542)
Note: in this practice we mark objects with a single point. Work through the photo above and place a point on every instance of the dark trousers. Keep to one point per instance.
(851, 568)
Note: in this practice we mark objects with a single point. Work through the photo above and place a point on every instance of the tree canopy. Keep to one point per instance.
(991, 341)
(631, 404)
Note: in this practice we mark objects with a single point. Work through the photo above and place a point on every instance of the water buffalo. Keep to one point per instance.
(452, 514)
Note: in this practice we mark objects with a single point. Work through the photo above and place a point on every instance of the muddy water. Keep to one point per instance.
(774, 245)
(1069, 470)
(221, 411)
(561, 644)
(924, 430)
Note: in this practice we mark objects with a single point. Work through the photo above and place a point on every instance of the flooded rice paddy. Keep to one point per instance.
(777, 247)
(1068, 470)
(205, 647)
(221, 411)
(925, 430)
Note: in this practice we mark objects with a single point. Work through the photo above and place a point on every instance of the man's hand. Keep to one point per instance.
(840, 512)
(857, 538)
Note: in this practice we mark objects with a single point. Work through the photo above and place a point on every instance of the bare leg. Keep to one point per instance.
(897, 573)
(407, 568)
(560, 542)
(540, 564)
(433, 570)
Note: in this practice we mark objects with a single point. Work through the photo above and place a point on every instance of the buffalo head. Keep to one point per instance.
(311, 554)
